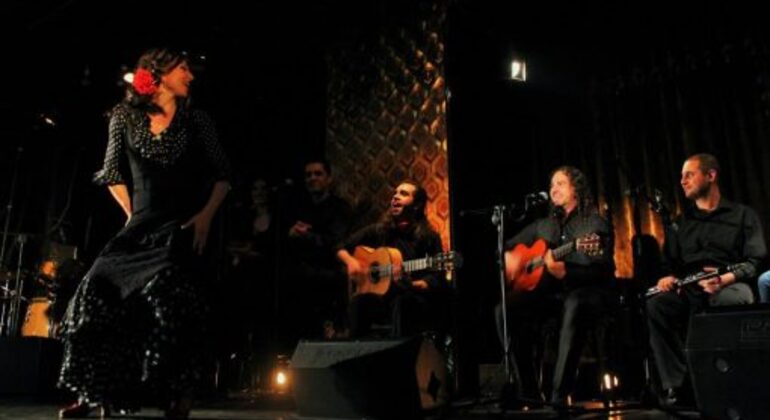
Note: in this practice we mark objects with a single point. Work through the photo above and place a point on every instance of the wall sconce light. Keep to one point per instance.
(519, 70)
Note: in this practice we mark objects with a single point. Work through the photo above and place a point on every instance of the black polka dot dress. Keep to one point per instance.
(135, 328)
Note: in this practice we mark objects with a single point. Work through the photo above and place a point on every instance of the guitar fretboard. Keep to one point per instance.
(563, 250)
(416, 265)
(408, 266)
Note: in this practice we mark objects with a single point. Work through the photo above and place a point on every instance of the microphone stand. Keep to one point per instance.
(510, 366)
(509, 363)
(13, 316)
(8, 305)
(9, 206)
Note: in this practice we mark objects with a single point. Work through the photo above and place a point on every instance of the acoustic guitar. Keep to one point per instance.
(384, 267)
(524, 265)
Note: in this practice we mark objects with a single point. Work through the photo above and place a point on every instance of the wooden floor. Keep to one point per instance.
(16, 408)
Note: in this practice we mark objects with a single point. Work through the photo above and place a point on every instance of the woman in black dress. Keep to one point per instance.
(134, 329)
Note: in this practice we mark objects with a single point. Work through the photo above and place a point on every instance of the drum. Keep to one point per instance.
(37, 322)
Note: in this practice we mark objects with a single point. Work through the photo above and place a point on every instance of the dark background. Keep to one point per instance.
(623, 92)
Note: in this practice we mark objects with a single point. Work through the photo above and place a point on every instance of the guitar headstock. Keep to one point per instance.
(590, 245)
(446, 261)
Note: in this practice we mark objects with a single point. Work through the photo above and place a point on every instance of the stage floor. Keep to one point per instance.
(260, 410)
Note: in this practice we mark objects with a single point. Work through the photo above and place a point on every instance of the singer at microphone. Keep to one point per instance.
(575, 285)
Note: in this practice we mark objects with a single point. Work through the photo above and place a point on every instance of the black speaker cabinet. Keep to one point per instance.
(368, 379)
(728, 354)
(29, 365)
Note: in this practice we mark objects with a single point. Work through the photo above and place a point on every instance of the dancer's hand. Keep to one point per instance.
(201, 223)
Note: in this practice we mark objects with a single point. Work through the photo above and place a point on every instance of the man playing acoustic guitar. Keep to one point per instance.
(574, 284)
(711, 233)
(404, 228)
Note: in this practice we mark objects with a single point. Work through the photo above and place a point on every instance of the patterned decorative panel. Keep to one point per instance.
(387, 114)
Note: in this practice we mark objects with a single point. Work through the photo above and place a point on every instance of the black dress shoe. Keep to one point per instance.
(560, 403)
(675, 397)
(668, 398)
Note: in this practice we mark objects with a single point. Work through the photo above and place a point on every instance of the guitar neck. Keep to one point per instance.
(408, 266)
(418, 264)
(564, 250)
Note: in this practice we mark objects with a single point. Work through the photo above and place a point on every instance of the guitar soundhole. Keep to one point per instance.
(528, 268)
(374, 272)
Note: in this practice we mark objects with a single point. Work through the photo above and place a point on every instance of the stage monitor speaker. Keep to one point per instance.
(29, 365)
(368, 379)
(728, 354)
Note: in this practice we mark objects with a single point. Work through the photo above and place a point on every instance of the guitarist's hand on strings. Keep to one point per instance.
(354, 268)
(556, 268)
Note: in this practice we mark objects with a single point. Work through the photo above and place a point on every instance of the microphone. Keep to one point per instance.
(537, 197)
(531, 201)
(506, 208)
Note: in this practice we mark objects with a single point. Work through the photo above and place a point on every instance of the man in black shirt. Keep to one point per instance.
(576, 287)
(317, 221)
(712, 232)
(404, 227)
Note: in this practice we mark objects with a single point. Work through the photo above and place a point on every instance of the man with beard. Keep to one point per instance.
(711, 233)
(403, 227)
(577, 288)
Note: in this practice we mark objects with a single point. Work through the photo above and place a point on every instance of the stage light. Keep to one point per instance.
(609, 387)
(519, 70)
(281, 378)
(128, 77)
(610, 382)
(607, 382)
(46, 120)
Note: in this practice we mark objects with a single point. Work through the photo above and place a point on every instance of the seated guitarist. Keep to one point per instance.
(575, 288)
(404, 227)
(711, 233)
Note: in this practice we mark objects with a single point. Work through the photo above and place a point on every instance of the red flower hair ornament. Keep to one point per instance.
(144, 82)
